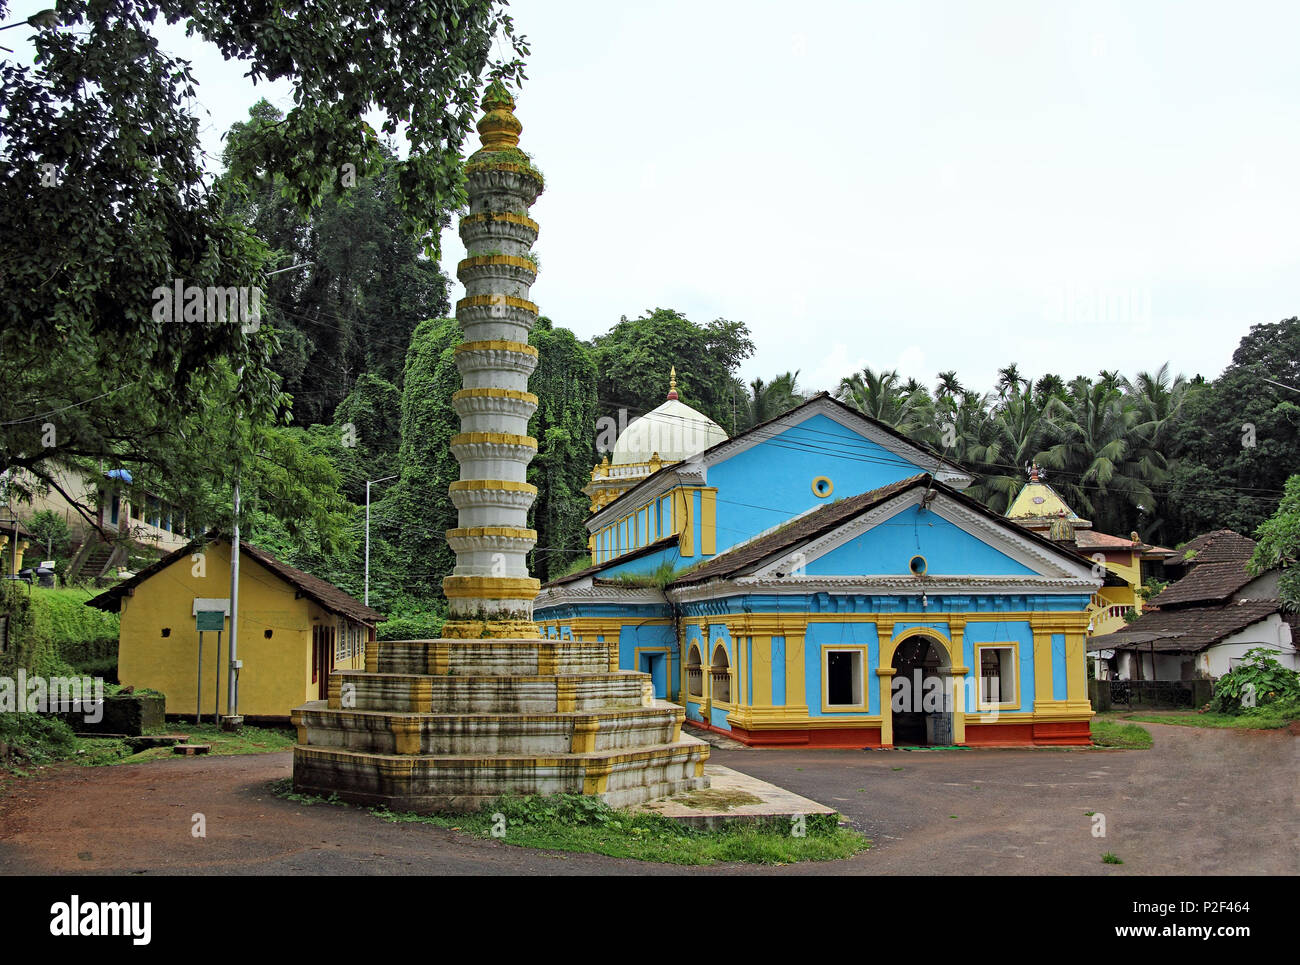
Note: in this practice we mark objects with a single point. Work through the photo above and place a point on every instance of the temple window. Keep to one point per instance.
(720, 675)
(843, 671)
(694, 673)
(997, 676)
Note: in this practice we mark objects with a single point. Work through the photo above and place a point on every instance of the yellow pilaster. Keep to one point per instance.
(708, 521)
(957, 678)
(796, 689)
(763, 670)
(686, 524)
(1073, 626)
(885, 679)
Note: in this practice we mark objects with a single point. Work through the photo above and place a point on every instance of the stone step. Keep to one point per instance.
(455, 782)
(544, 734)
(424, 693)
(491, 657)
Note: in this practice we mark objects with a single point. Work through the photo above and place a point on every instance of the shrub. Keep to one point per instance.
(416, 625)
(1259, 681)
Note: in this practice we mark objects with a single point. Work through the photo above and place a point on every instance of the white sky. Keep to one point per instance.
(921, 186)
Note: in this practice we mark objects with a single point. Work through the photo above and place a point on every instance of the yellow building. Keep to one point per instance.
(293, 630)
(1039, 508)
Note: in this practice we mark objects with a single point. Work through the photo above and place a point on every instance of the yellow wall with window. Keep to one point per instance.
(276, 674)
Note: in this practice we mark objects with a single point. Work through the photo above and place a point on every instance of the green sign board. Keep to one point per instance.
(211, 620)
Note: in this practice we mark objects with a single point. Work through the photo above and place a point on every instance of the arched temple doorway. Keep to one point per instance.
(922, 699)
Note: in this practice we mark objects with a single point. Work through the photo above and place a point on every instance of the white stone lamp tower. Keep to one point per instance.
(490, 593)
(491, 707)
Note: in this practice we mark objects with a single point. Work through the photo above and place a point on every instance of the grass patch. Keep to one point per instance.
(1109, 858)
(1110, 733)
(1269, 717)
(97, 751)
(577, 823)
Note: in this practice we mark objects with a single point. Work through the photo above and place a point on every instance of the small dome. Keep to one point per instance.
(674, 431)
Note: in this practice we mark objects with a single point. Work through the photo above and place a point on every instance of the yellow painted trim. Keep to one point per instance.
(686, 537)
(490, 629)
(498, 345)
(513, 532)
(830, 487)
(887, 650)
(708, 521)
(827, 706)
(509, 216)
(1015, 674)
(686, 667)
(494, 394)
(500, 438)
(796, 688)
(490, 587)
(485, 301)
(476, 485)
(484, 261)
(925, 564)
(762, 669)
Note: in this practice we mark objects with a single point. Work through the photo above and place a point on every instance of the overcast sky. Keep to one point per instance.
(920, 186)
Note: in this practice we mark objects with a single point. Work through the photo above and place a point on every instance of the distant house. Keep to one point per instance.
(1128, 560)
(293, 630)
(150, 524)
(15, 540)
(1202, 625)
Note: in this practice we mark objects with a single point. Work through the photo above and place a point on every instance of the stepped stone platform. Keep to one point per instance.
(452, 724)
(735, 798)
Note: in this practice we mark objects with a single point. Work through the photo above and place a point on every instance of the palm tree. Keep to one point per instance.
(1010, 380)
(1095, 451)
(767, 400)
(879, 396)
(948, 386)
(1015, 437)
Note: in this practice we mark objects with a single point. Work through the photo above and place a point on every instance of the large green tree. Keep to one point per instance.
(564, 427)
(352, 280)
(106, 202)
(1238, 438)
(634, 359)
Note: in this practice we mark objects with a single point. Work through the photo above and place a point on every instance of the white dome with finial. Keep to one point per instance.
(673, 431)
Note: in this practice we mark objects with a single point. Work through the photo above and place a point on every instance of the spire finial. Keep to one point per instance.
(499, 129)
(672, 383)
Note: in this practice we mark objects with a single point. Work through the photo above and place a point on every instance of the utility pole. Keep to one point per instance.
(232, 674)
(369, 483)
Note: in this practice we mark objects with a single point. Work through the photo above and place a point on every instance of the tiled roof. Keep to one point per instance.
(1087, 539)
(1206, 583)
(326, 594)
(1220, 546)
(1185, 631)
(659, 544)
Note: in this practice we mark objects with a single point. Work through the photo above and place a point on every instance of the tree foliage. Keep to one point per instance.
(564, 427)
(633, 360)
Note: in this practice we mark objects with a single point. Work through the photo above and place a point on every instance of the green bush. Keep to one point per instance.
(33, 738)
(31, 645)
(1258, 682)
(416, 625)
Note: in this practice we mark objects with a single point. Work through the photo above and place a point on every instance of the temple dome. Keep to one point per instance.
(673, 431)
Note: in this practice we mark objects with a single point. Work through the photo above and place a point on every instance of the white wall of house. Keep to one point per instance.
(1273, 633)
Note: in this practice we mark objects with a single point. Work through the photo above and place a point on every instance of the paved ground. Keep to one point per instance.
(1200, 802)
